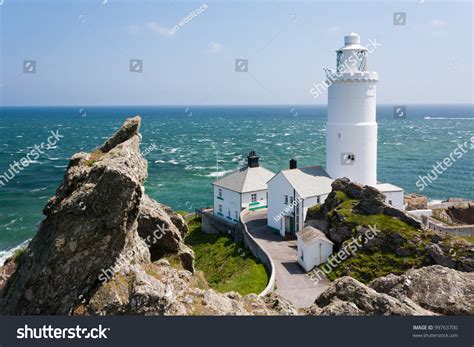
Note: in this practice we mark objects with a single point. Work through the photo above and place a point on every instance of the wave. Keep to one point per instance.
(4, 255)
(218, 174)
(449, 118)
(38, 189)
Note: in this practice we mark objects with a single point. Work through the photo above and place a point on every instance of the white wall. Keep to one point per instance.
(396, 199)
(230, 201)
(311, 253)
(278, 187)
(261, 199)
(352, 128)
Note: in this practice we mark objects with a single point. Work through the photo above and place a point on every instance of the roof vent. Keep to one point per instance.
(293, 164)
(253, 159)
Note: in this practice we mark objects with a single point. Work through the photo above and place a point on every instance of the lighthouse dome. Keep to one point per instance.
(351, 38)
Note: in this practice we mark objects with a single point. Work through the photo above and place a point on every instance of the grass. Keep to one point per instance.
(18, 254)
(369, 263)
(226, 265)
(94, 157)
(469, 238)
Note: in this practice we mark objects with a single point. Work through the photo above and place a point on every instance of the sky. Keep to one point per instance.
(82, 51)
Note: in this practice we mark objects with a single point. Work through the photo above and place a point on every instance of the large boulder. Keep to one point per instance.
(90, 225)
(347, 296)
(436, 288)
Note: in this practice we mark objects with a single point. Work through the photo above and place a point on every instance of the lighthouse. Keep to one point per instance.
(351, 128)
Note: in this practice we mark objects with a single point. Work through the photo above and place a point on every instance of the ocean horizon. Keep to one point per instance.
(187, 147)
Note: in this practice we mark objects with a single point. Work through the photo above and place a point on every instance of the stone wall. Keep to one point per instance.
(258, 253)
(215, 225)
(460, 230)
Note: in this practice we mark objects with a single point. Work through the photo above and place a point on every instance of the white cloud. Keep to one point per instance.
(159, 29)
(215, 47)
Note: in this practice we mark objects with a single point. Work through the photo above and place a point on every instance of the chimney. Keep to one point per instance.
(293, 164)
(253, 159)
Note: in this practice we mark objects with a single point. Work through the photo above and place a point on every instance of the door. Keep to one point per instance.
(292, 225)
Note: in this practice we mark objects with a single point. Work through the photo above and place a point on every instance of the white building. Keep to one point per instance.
(314, 247)
(291, 192)
(393, 194)
(351, 128)
(246, 187)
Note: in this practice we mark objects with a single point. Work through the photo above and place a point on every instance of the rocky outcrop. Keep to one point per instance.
(435, 288)
(103, 247)
(463, 213)
(90, 225)
(159, 289)
(6, 271)
(352, 212)
(163, 231)
(347, 296)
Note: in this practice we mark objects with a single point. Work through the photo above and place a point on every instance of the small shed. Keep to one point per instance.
(314, 247)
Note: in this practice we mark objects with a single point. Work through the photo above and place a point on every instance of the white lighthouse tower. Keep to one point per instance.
(351, 135)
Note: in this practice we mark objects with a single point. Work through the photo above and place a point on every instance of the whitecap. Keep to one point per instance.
(217, 174)
(38, 189)
(9, 252)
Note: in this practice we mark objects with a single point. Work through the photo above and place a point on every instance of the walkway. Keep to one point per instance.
(291, 281)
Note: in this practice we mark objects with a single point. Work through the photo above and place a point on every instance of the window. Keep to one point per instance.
(220, 208)
(291, 200)
(220, 192)
(347, 158)
(318, 199)
(236, 215)
(228, 212)
(286, 199)
(254, 197)
(390, 202)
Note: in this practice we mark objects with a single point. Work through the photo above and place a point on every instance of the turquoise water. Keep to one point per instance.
(183, 165)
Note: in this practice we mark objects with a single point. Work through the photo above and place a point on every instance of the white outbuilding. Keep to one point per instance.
(291, 192)
(393, 194)
(246, 187)
(314, 247)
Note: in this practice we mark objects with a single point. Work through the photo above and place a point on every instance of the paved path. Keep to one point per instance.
(291, 281)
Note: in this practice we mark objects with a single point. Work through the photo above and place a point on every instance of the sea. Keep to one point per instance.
(187, 148)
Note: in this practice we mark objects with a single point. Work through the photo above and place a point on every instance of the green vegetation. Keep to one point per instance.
(383, 257)
(94, 156)
(226, 265)
(18, 254)
(469, 238)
